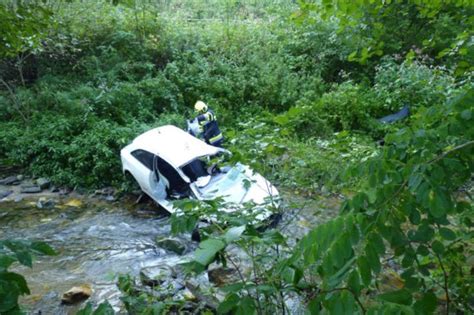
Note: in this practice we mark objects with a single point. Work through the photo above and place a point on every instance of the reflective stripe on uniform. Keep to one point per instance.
(216, 138)
(208, 117)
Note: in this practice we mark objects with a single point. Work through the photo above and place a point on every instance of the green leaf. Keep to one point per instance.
(314, 306)
(17, 280)
(86, 310)
(424, 233)
(438, 247)
(104, 309)
(8, 299)
(229, 303)
(246, 306)
(292, 275)
(234, 234)
(364, 269)
(207, 251)
(427, 304)
(6, 261)
(43, 248)
(377, 242)
(439, 203)
(354, 282)
(373, 258)
(348, 302)
(24, 257)
(398, 297)
(21, 251)
(273, 237)
(422, 250)
(447, 234)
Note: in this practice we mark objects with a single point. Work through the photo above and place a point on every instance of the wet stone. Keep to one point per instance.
(11, 180)
(64, 191)
(43, 183)
(5, 193)
(18, 199)
(30, 189)
(77, 294)
(172, 245)
(44, 203)
(221, 276)
(156, 275)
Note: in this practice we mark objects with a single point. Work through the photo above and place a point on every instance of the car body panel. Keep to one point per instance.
(183, 154)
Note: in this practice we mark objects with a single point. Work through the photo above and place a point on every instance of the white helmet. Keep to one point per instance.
(200, 106)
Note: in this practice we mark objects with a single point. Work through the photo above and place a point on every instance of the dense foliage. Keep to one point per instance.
(298, 90)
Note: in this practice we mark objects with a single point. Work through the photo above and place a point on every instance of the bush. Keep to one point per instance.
(348, 107)
(411, 83)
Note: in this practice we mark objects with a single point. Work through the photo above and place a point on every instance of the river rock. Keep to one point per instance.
(208, 300)
(110, 198)
(5, 193)
(10, 180)
(30, 189)
(64, 191)
(43, 183)
(77, 294)
(171, 244)
(106, 191)
(155, 275)
(18, 199)
(44, 203)
(221, 276)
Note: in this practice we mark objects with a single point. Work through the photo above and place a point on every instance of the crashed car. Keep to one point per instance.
(169, 164)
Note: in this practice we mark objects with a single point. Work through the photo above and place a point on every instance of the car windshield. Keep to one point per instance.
(195, 169)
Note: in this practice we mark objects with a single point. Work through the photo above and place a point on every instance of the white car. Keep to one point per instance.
(169, 163)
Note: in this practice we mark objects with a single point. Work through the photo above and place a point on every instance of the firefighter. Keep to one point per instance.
(208, 126)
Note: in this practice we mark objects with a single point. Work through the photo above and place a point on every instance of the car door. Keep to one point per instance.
(143, 172)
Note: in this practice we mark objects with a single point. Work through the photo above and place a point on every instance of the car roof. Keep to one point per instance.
(173, 144)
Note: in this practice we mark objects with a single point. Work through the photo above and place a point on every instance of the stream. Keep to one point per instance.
(97, 240)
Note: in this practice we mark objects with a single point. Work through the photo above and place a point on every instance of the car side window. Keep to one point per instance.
(176, 182)
(145, 157)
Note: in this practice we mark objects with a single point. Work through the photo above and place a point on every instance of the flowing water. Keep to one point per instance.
(94, 242)
(97, 240)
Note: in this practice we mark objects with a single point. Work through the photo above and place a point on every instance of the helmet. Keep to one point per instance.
(200, 106)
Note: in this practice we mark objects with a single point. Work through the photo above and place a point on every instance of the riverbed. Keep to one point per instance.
(96, 240)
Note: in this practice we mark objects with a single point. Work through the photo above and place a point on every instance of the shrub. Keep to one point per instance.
(411, 83)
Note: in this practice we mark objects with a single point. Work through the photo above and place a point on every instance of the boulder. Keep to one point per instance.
(30, 189)
(155, 275)
(43, 183)
(221, 276)
(172, 245)
(77, 294)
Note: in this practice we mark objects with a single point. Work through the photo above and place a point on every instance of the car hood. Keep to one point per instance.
(240, 185)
